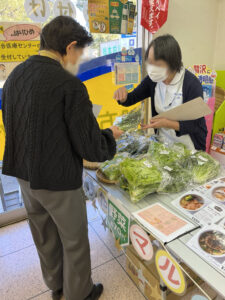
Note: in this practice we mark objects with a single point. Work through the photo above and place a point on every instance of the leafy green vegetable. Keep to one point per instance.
(165, 156)
(142, 177)
(203, 167)
(129, 121)
(111, 169)
(175, 179)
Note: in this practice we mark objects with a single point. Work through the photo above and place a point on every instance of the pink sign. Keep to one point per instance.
(154, 14)
(21, 32)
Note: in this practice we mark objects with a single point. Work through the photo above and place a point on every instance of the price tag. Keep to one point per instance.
(170, 272)
(141, 242)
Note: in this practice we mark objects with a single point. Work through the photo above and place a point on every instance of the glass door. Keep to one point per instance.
(11, 203)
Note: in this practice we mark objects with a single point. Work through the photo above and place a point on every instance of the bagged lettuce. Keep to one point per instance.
(142, 177)
(129, 121)
(111, 168)
(203, 167)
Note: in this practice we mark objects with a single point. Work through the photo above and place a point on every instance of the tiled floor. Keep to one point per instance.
(20, 274)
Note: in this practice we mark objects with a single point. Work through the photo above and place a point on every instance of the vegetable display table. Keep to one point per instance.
(178, 247)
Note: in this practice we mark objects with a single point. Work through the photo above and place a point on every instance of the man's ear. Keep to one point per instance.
(70, 46)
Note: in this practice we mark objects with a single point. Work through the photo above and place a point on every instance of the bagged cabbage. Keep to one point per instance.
(142, 177)
(129, 121)
(111, 169)
(203, 167)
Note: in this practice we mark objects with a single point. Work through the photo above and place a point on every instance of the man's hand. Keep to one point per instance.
(121, 94)
(162, 123)
(116, 132)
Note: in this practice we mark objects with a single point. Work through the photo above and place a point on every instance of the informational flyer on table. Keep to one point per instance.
(209, 243)
(163, 222)
(205, 204)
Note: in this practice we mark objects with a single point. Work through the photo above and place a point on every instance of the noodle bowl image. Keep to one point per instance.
(191, 202)
(213, 243)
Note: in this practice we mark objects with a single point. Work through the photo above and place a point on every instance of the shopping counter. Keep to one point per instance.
(177, 248)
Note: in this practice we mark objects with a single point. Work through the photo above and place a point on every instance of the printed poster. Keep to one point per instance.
(209, 243)
(204, 204)
(98, 11)
(163, 222)
(207, 77)
(126, 73)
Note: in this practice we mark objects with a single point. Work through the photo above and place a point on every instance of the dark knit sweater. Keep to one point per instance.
(50, 126)
(192, 89)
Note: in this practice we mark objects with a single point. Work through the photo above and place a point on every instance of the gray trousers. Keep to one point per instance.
(58, 222)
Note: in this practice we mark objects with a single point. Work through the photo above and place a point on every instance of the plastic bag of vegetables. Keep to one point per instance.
(203, 167)
(142, 177)
(111, 169)
(129, 121)
(134, 142)
(162, 155)
(175, 179)
(127, 143)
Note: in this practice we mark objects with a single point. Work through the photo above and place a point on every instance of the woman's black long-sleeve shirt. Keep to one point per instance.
(50, 126)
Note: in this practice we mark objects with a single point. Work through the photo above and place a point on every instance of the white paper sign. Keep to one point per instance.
(163, 222)
(37, 10)
(141, 242)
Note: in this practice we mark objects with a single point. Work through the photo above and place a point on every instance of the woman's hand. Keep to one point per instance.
(162, 123)
(121, 94)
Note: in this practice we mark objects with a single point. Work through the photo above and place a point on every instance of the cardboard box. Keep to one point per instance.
(145, 276)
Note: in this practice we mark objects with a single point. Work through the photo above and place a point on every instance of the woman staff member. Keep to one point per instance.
(168, 84)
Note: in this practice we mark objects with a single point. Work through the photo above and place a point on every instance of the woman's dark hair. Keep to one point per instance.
(61, 31)
(167, 49)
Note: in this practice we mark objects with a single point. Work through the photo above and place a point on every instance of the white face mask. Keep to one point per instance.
(73, 68)
(156, 73)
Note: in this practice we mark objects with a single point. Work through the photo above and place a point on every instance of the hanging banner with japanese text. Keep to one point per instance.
(154, 14)
(119, 222)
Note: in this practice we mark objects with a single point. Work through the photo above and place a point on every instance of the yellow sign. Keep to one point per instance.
(98, 11)
(170, 272)
(18, 50)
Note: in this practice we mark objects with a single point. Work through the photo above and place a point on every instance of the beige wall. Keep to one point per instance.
(199, 27)
(219, 55)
